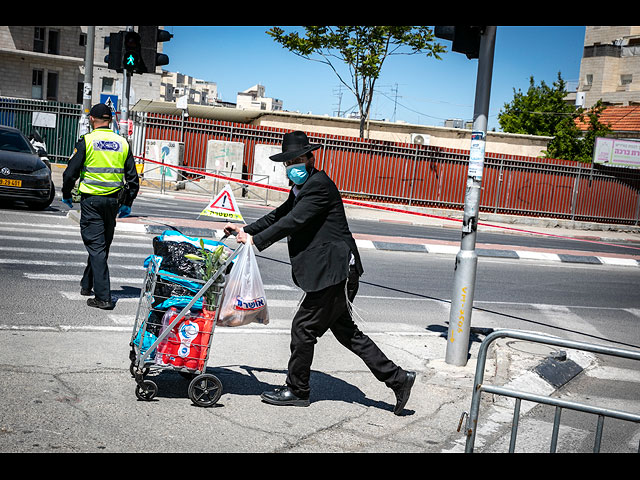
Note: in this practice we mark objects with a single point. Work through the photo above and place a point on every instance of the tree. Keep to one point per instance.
(538, 111)
(571, 143)
(363, 49)
(542, 110)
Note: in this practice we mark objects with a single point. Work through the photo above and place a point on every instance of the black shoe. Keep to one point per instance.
(104, 305)
(284, 396)
(402, 393)
(86, 292)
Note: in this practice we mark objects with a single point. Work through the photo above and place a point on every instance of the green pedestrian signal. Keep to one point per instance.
(132, 53)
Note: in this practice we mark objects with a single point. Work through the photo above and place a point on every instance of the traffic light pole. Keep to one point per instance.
(467, 258)
(124, 104)
(83, 125)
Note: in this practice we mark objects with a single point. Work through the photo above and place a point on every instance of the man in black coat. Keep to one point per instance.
(326, 265)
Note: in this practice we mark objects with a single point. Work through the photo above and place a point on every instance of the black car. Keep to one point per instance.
(24, 176)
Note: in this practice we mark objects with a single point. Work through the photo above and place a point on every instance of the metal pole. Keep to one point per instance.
(467, 258)
(124, 108)
(83, 126)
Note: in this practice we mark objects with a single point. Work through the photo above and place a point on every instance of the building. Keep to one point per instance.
(47, 63)
(199, 92)
(253, 99)
(610, 66)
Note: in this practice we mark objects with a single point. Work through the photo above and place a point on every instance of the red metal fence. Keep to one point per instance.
(431, 176)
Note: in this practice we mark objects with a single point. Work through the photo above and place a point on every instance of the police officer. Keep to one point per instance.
(108, 185)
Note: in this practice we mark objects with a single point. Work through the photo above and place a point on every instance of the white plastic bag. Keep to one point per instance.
(244, 299)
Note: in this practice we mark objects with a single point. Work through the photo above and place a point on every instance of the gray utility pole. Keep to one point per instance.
(124, 104)
(467, 258)
(83, 126)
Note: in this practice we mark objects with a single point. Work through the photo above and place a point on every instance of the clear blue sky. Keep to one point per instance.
(429, 91)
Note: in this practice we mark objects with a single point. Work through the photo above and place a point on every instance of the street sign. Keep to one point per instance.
(224, 206)
(110, 101)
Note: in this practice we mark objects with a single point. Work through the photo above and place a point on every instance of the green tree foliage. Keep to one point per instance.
(543, 111)
(538, 111)
(363, 49)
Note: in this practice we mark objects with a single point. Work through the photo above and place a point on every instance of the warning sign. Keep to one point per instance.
(224, 205)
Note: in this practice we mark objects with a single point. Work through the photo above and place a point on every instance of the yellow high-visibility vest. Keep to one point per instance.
(103, 170)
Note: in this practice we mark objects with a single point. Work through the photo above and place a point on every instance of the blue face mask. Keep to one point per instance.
(297, 173)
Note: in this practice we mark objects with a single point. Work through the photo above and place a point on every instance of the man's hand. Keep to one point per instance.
(231, 228)
(124, 211)
(241, 236)
(68, 202)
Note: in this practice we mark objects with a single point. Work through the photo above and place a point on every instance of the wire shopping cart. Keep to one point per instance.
(174, 326)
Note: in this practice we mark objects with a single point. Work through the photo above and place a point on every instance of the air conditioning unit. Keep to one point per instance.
(420, 138)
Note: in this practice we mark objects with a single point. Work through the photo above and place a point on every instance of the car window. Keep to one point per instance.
(14, 142)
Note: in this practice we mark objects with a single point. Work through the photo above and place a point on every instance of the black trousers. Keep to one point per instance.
(97, 225)
(327, 310)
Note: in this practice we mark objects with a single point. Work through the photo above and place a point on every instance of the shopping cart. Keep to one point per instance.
(174, 326)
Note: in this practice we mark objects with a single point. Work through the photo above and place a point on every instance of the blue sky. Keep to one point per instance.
(429, 91)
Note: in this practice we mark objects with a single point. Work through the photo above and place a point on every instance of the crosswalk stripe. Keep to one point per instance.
(75, 233)
(53, 263)
(144, 244)
(83, 252)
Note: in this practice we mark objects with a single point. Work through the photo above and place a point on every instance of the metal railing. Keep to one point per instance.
(479, 387)
(62, 134)
(429, 176)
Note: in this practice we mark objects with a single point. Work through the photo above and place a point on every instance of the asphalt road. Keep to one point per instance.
(42, 258)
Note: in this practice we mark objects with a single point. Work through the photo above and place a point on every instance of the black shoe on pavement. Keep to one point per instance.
(86, 292)
(284, 396)
(402, 393)
(104, 305)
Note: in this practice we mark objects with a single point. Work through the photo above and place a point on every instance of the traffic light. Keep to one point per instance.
(132, 53)
(465, 39)
(114, 57)
(150, 36)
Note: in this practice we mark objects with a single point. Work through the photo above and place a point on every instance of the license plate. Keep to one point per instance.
(10, 183)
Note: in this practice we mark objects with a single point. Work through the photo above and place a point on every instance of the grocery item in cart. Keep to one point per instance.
(244, 299)
(188, 342)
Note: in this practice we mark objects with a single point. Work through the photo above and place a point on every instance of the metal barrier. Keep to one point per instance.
(60, 135)
(479, 387)
(429, 176)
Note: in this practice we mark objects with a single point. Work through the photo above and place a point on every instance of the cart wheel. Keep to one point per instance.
(146, 390)
(132, 369)
(205, 390)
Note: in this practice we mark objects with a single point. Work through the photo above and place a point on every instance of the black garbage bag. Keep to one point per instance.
(173, 257)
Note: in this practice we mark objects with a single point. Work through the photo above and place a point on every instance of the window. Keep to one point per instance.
(38, 39)
(625, 79)
(107, 85)
(52, 86)
(83, 39)
(53, 44)
(80, 92)
(36, 84)
(588, 79)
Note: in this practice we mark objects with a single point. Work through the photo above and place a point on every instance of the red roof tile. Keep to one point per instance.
(619, 119)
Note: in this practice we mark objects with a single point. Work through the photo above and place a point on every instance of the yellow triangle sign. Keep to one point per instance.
(224, 206)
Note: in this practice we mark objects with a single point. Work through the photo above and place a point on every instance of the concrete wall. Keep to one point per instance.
(502, 143)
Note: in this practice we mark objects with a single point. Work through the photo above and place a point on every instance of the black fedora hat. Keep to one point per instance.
(294, 144)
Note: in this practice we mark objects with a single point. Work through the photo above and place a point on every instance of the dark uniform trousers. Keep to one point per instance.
(97, 225)
(325, 310)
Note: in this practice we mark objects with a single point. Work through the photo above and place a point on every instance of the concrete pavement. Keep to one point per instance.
(84, 401)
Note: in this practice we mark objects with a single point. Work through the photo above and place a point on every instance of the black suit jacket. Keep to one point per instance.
(314, 222)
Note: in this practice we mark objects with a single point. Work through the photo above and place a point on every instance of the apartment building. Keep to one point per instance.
(47, 63)
(253, 98)
(198, 92)
(610, 66)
